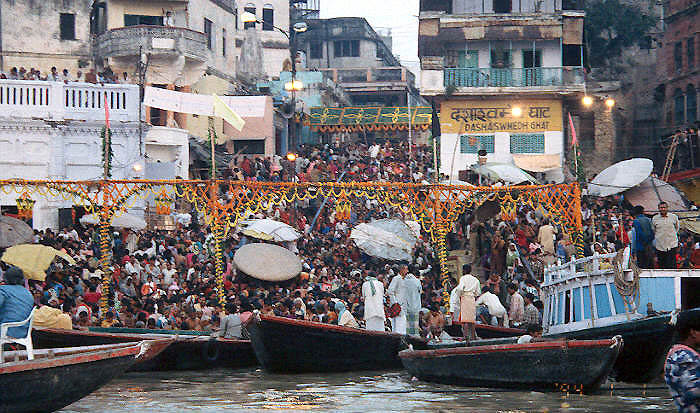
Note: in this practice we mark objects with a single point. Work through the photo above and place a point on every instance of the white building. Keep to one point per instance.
(505, 73)
(52, 130)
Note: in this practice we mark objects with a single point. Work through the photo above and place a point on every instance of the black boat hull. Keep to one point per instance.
(646, 344)
(52, 388)
(293, 346)
(185, 353)
(548, 366)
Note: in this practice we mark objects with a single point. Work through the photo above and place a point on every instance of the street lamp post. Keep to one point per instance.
(295, 85)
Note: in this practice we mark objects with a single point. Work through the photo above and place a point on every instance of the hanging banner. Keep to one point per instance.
(203, 105)
(489, 116)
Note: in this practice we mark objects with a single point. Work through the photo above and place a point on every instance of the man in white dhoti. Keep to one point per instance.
(373, 296)
(397, 294)
(468, 289)
(413, 301)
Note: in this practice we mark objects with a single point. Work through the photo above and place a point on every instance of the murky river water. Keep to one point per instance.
(254, 390)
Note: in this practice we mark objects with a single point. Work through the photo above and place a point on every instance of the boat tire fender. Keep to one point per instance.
(210, 352)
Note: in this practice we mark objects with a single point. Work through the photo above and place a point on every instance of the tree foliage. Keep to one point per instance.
(612, 26)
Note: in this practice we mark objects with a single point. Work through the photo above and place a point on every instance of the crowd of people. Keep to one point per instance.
(53, 75)
(166, 279)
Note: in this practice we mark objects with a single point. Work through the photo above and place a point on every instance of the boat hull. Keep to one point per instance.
(575, 366)
(190, 352)
(485, 331)
(50, 384)
(294, 346)
(646, 344)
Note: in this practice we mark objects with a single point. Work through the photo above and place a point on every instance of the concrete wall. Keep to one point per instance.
(31, 35)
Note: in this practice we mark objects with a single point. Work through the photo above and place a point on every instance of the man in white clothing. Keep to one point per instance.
(373, 296)
(413, 301)
(468, 289)
(491, 301)
(397, 294)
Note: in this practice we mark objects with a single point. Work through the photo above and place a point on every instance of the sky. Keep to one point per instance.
(399, 15)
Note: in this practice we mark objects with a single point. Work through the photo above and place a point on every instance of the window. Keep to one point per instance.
(678, 56)
(249, 146)
(67, 23)
(316, 50)
(678, 107)
(690, 53)
(346, 48)
(474, 143)
(527, 143)
(250, 8)
(691, 104)
(139, 20)
(502, 6)
(235, 19)
(571, 55)
(268, 18)
(223, 42)
(207, 32)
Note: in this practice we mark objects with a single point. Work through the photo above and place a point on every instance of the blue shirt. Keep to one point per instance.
(16, 303)
(682, 375)
(643, 234)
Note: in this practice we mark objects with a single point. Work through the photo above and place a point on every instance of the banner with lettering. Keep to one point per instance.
(489, 116)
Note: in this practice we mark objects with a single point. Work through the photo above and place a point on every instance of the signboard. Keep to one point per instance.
(489, 116)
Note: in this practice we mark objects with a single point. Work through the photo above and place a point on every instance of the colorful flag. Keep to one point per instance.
(222, 110)
(106, 111)
(574, 141)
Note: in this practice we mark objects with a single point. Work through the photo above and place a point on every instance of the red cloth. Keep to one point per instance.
(92, 297)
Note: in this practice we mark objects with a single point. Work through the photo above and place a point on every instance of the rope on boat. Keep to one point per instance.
(629, 290)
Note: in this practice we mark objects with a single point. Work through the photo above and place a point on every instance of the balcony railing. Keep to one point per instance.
(125, 41)
(371, 74)
(61, 101)
(523, 77)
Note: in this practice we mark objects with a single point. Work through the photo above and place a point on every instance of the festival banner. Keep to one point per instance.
(489, 116)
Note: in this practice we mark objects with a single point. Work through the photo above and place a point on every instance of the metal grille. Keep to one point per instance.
(472, 143)
(527, 143)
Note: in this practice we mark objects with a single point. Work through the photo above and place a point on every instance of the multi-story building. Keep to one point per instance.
(505, 73)
(679, 63)
(679, 73)
(357, 58)
(52, 130)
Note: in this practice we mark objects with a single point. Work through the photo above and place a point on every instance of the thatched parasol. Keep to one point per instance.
(267, 262)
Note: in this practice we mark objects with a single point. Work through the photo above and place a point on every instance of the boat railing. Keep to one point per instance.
(597, 264)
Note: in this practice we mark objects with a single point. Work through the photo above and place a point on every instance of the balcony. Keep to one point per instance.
(57, 101)
(154, 40)
(524, 77)
(387, 78)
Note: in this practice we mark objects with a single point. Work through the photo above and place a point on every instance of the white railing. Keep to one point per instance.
(581, 267)
(67, 101)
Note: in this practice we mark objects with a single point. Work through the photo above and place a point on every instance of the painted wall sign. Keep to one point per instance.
(464, 116)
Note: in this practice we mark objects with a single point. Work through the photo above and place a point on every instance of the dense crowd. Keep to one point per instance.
(53, 75)
(166, 279)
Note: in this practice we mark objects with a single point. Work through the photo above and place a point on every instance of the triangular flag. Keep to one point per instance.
(574, 140)
(222, 110)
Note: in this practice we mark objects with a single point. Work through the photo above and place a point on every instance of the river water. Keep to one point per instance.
(254, 390)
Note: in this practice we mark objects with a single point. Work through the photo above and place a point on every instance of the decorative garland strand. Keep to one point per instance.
(106, 136)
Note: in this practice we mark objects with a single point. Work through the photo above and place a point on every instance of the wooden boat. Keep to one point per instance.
(581, 302)
(485, 331)
(190, 350)
(59, 377)
(286, 345)
(576, 366)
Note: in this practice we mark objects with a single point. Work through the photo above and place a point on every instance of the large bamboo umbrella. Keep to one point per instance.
(34, 259)
(14, 231)
(267, 262)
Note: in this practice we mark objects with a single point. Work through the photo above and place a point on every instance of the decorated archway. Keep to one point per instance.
(435, 207)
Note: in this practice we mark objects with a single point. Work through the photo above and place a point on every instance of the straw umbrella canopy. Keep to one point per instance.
(34, 259)
(267, 262)
(14, 231)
